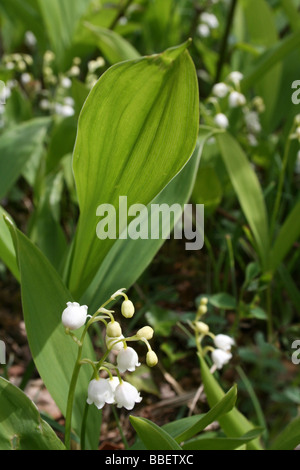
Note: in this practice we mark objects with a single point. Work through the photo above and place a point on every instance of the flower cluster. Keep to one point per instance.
(221, 351)
(113, 389)
(208, 22)
(227, 96)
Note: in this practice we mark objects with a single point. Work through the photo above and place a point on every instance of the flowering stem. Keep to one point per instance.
(74, 379)
(280, 183)
(126, 445)
(224, 43)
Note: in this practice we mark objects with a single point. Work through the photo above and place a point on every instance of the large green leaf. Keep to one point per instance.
(248, 191)
(128, 258)
(21, 426)
(234, 423)
(152, 435)
(136, 131)
(44, 297)
(17, 146)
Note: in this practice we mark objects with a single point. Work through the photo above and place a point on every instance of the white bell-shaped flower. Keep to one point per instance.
(74, 316)
(127, 360)
(236, 99)
(220, 357)
(235, 77)
(126, 395)
(99, 393)
(224, 342)
(220, 90)
(113, 382)
(221, 121)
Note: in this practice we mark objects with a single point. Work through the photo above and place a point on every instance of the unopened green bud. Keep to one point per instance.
(202, 328)
(113, 329)
(204, 301)
(145, 332)
(127, 309)
(151, 359)
(202, 309)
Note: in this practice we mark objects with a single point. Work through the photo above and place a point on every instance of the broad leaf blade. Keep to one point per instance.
(22, 427)
(128, 258)
(136, 131)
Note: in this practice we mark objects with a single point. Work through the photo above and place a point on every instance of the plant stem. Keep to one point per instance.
(126, 445)
(74, 379)
(120, 13)
(269, 313)
(280, 185)
(223, 49)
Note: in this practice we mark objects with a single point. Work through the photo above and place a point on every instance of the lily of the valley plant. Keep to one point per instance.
(111, 388)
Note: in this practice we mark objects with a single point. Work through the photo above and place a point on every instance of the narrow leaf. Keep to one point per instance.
(152, 435)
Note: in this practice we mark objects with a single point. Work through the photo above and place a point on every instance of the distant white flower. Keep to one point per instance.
(25, 78)
(126, 395)
(68, 100)
(74, 71)
(236, 99)
(297, 166)
(220, 90)
(224, 342)
(252, 140)
(203, 30)
(74, 316)
(252, 122)
(221, 121)
(210, 19)
(45, 104)
(235, 77)
(64, 110)
(220, 357)
(30, 39)
(114, 343)
(66, 82)
(99, 393)
(10, 66)
(127, 360)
